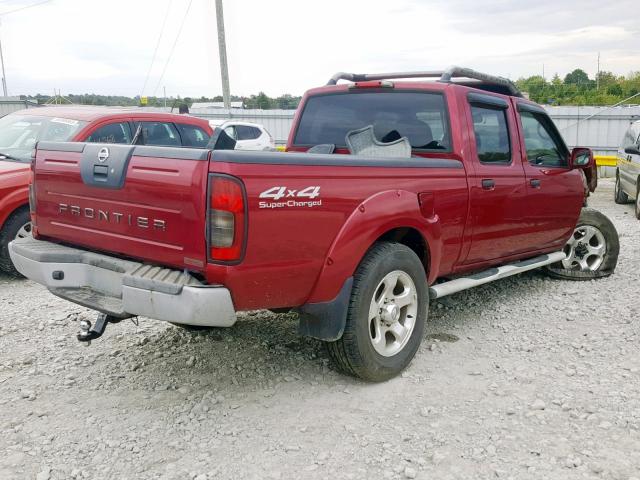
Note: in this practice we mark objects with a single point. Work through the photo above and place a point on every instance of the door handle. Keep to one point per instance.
(488, 184)
(535, 183)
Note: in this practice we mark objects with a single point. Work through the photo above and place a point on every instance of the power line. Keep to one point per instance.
(166, 64)
(600, 111)
(155, 51)
(24, 8)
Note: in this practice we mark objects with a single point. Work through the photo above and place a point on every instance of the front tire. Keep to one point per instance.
(18, 225)
(592, 251)
(619, 195)
(386, 314)
(637, 202)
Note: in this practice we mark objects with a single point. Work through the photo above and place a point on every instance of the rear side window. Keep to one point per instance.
(245, 132)
(419, 116)
(119, 132)
(193, 136)
(492, 134)
(541, 141)
(162, 134)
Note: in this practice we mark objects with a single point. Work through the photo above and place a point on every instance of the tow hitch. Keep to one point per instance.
(88, 333)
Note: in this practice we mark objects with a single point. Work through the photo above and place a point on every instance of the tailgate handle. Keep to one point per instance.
(100, 173)
(535, 183)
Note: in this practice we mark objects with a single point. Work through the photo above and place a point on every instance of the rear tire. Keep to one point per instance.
(18, 225)
(637, 202)
(592, 251)
(619, 196)
(386, 314)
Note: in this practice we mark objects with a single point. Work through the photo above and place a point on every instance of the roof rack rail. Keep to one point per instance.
(504, 85)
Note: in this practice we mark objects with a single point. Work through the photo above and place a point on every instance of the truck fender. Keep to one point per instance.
(12, 202)
(324, 314)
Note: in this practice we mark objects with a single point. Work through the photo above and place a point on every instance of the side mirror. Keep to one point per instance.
(632, 150)
(581, 158)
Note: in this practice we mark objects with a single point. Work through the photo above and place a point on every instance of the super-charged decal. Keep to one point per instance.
(284, 197)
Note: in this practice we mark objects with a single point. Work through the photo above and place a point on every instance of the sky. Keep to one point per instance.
(288, 46)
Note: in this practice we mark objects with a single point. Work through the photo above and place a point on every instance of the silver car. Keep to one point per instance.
(628, 171)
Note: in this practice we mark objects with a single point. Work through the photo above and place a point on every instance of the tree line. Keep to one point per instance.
(260, 101)
(578, 89)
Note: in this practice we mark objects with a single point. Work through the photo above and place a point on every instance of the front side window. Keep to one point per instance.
(118, 132)
(492, 134)
(161, 134)
(419, 116)
(540, 141)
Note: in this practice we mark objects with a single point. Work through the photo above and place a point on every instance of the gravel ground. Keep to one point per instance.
(525, 378)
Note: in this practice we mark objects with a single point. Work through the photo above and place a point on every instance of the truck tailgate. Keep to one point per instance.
(136, 201)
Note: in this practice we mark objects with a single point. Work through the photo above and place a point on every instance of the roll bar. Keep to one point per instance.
(503, 85)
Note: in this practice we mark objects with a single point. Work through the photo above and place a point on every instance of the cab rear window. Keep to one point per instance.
(419, 116)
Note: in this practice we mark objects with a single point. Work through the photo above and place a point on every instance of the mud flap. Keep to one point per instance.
(326, 320)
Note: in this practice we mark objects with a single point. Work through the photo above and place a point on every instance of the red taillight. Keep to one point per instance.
(227, 218)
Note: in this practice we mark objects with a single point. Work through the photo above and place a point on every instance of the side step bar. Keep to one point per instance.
(496, 273)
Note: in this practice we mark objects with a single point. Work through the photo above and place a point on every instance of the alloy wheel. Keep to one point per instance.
(585, 249)
(392, 313)
(24, 231)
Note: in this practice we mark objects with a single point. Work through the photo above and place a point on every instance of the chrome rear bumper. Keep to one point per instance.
(122, 288)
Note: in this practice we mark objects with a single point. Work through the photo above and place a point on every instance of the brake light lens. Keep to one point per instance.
(371, 84)
(32, 184)
(32, 199)
(227, 218)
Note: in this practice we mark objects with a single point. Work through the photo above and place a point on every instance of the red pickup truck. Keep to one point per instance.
(19, 132)
(391, 193)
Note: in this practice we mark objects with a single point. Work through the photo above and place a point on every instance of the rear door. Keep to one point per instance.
(497, 184)
(555, 194)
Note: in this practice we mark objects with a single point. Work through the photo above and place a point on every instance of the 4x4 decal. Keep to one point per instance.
(278, 193)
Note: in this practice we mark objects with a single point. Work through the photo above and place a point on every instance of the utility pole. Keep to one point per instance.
(4, 77)
(222, 48)
(543, 71)
(598, 74)
(165, 96)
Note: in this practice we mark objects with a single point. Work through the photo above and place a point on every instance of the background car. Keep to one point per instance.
(248, 136)
(19, 132)
(628, 171)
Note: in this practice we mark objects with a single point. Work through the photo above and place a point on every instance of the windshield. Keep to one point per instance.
(421, 117)
(19, 133)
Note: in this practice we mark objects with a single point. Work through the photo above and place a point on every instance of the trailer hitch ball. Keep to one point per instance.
(89, 332)
(85, 326)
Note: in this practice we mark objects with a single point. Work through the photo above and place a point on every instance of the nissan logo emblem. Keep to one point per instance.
(103, 154)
